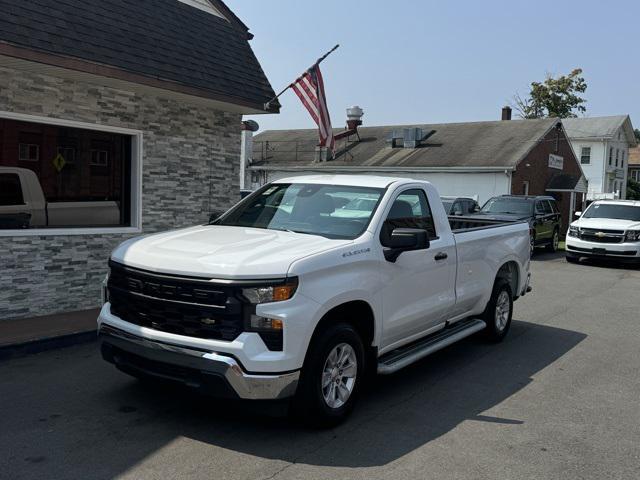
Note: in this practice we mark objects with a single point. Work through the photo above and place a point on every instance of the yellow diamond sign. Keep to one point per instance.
(59, 162)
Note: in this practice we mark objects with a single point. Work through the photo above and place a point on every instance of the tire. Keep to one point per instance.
(555, 240)
(572, 259)
(532, 244)
(498, 323)
(324, 398)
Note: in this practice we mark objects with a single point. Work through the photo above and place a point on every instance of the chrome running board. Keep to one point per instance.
(401, 357)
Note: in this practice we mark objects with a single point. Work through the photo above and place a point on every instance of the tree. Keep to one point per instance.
(633, 189)
(555, 97)
(636, 132)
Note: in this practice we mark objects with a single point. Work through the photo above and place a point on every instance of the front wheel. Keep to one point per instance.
(331, 377)
(499, 311)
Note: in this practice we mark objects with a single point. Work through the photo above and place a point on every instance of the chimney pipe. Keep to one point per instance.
(506, 113)
(354, 117)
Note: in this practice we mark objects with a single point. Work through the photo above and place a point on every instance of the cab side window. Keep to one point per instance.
(10, 189)
(410, 209)
(539, 208)
(546, 205)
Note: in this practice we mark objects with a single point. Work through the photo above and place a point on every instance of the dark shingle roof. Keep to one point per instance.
(474, 144)
(161, 39)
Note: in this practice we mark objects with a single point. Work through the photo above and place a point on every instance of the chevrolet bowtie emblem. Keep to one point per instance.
(600, 234)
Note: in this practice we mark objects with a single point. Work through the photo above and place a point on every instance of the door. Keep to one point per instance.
(543, 223)
(419, 288)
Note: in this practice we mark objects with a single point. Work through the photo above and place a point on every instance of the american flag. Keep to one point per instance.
(310, 89)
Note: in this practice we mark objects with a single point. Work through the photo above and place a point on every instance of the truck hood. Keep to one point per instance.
(606, 223)
(215, 251)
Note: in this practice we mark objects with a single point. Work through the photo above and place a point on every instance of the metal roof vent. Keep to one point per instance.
(411, 137)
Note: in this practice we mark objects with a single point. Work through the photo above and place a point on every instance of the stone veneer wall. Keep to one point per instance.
(190, 168)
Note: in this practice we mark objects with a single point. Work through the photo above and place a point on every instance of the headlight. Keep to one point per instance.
(574, 231)
(271, 293)
(632, 236)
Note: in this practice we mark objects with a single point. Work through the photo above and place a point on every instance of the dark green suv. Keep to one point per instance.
(541, 212)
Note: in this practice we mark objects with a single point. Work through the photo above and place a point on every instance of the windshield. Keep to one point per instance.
(508, 205)
(333, 211)
(609, 210)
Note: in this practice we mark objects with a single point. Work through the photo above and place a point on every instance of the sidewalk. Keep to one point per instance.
(31, 335)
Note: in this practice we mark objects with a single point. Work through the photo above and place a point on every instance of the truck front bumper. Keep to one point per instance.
(214, 373)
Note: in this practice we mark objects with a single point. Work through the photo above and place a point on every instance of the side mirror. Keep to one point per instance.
(404, 240)
(577, 214)
(457, 213)
(476, 209)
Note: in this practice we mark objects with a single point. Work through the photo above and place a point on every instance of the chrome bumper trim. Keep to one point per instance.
(246, 385)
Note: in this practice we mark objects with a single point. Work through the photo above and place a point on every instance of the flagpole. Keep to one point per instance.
(266, 105)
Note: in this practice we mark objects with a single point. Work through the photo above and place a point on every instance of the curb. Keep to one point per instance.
(39, 345)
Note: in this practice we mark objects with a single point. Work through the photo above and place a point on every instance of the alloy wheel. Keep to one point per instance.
(339, 375)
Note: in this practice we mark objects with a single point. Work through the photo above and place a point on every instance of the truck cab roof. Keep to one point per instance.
(373, 181)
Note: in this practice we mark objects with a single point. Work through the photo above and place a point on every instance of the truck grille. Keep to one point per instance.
(601, 236)
(173, 304)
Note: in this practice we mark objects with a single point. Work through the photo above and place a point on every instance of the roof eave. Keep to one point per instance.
(93, 68)
(368, 168)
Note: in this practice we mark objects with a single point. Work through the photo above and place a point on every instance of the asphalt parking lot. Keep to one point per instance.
(559, 398)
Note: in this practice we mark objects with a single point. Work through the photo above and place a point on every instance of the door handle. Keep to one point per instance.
(441, 256)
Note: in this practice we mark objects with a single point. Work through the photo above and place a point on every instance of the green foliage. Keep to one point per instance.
(555, 97)
(633, 190)
(636, 132)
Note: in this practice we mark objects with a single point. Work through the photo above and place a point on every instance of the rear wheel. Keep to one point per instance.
(331, 377)
(499, 311)
(555, 242)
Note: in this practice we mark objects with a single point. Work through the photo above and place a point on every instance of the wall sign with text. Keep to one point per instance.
(556, 161)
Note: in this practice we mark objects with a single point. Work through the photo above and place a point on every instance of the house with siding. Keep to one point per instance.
(477, 159)
(634, 164)
(137, 105)
(602, 144)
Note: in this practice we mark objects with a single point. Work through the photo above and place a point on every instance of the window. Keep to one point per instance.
(410, 209)
(540, 208)
(29, 152)
(525, 187)
(585, 156)
(56, 158)
(546, 206)
(332, 211)
(622, 159)
(610, 155)
(617, 156)
(10, 190)
(99, 158)
(68, 154)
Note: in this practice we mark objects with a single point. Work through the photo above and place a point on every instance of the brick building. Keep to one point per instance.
(478, 159)
(135, 105)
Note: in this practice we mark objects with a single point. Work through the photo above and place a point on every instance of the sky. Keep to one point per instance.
(411, 61)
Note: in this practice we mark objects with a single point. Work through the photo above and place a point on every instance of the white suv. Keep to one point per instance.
(607, 229)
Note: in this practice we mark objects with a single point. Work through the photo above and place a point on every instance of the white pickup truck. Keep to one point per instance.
(608, 229)
(307, 285)
(23, 205)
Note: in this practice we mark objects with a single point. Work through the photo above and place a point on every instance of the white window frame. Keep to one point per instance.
(99, 152)
(525, 187)
(583, 155)
(28, 145)
(137, 152)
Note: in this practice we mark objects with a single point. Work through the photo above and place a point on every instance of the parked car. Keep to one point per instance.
(287, 295)
(608, 229)
(460, 205)
(541, 212)
(23, 205)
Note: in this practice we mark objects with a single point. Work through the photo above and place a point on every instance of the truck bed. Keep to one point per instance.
(469, 223)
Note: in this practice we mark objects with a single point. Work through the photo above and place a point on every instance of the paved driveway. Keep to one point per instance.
(558, 399)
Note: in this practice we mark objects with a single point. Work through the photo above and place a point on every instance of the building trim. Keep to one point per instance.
(137, 155)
